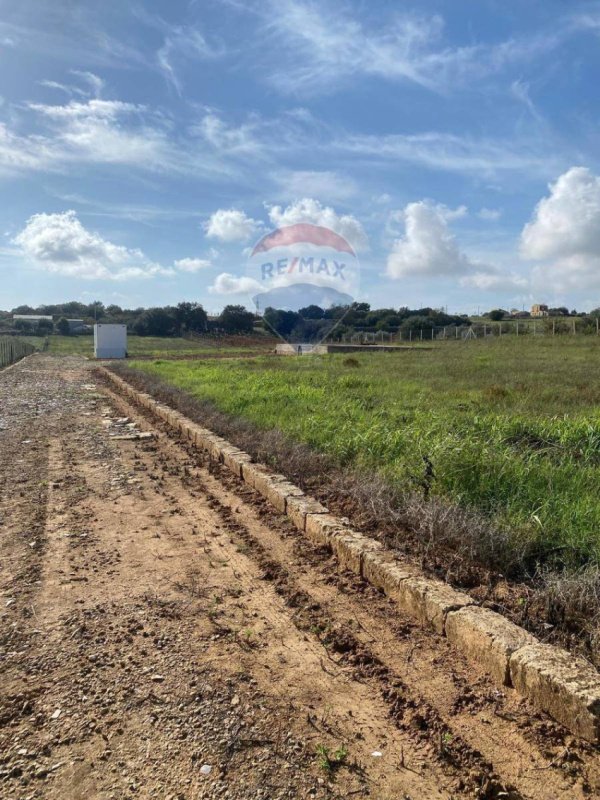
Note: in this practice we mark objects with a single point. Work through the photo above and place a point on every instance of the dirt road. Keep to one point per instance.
(163, 634)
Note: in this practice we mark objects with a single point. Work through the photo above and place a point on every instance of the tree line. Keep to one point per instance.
(311, 323)
(314, 323)
(185, 317)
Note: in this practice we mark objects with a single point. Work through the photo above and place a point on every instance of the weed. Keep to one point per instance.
(331, 762)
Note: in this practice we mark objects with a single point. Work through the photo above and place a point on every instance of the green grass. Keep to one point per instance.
(136, 345)
(511, 428)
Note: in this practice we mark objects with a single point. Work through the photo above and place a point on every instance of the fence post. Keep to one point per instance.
(421, 334)
(574, 331)
(553, 327)
(534, 327)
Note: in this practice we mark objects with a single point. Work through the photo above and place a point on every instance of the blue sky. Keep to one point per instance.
(144, 146)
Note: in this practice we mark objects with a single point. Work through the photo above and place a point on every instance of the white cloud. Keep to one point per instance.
(96, 130)
(231, 225)
(63, 87)
(567, 222)
(382, 199)
(23, 153)
(428, 247)
(489, 214)
(240, 140)
(192, 264)
(225, 283)
(94, 81)
(59, 244)
(565, 233)
(100, 132)
(495, 281)
(520, 91)
(180, 43)
(311, 210)
(322, 45)
(325, 184)
(452, 153)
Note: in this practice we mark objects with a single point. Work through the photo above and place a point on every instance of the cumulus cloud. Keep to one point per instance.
(192, 264)
(226, 283)
(60, 244)
(231, 225)
(564, 232)
(428, 247)
(310, 210)
(567, 222)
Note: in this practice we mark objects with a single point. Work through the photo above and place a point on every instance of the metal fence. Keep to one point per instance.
(553, 326)
(12, 349)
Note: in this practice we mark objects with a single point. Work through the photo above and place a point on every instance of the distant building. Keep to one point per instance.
(77, 326)
(516, 314)
(539, 310)
(32, 319)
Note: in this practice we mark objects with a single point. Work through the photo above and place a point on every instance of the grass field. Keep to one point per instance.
(511, 429)
(155, 346)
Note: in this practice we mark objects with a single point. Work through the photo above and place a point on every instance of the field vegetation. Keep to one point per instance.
(151, 346)
(508, 430)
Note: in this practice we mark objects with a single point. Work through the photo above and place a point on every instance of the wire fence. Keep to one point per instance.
(12, 349)
(540, 327)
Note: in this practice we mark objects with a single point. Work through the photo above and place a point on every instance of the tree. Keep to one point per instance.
(44, 327)
(113, 310)
(311, 312)
(280, 321)
(390, 322)
(62, 327)
(235, 319)
(496, 314)
(191, 317)
(416, 323)
(23, 325)
(156, 322)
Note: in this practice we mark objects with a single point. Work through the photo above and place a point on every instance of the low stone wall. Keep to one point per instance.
(563, 685)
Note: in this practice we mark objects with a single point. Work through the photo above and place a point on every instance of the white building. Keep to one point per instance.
(110, 341)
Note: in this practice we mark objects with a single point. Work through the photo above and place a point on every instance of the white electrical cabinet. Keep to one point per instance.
(110, 341)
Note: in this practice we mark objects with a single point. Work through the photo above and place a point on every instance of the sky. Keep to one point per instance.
(145, 147)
